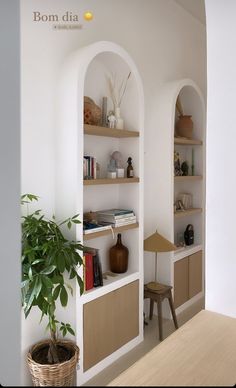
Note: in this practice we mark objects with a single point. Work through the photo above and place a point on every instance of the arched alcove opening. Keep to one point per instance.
(86, 73)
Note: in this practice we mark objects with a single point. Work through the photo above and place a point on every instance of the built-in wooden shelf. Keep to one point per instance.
(185, 141)
(108, 181)
(107, 232)
(188, 178)
(108, 132)
(188, 212)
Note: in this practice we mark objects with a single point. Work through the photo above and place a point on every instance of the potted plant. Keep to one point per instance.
(49, 262)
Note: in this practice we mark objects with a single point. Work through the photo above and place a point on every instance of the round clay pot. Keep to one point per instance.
(184, 126)
(118, 257)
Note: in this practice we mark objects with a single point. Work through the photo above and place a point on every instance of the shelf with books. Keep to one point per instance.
(110, 181)
(110, 284)
(108, 132)
(107, 232)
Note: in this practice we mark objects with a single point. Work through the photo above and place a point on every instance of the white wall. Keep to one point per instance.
(10, 306)
(221, 146)
(166, 43)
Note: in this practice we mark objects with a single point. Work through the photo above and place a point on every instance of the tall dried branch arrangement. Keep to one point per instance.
(179, 106)
(117, 91)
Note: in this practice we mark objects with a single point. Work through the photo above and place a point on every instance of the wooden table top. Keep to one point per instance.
(202, 352)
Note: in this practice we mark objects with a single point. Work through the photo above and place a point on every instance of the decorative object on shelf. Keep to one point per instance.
(193, 172)
(119, 120)
(189, 235)
(157, 243)
(98, 170)
(104, 111)
(179, 207)
(130, 169)
(184, 125)
(118, 256)
(120, 171)
(177, 167)
(184, 168)
(180, 240)
(117, 93)
(111, 119)
(92, 112)
(179, 106)
(186, 199)
(45, 283)
(111, 168)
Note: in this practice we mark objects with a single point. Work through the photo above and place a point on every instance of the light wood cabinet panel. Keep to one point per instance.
(110, 322)
(195, 274)
(187, 278)
(180, 282)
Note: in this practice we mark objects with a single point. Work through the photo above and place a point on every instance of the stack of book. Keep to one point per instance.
(90, 167)
(92, 269)
(116, 217)
(91, 227)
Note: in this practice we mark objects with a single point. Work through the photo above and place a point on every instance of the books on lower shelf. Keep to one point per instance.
(92, 269)
(90, 227)
(116, 217)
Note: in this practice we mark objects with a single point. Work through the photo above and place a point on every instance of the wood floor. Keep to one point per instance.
(151, 339)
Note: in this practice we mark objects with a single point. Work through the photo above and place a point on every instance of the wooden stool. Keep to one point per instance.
(158, 296)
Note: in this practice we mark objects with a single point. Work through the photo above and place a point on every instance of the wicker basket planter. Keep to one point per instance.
(55, 375)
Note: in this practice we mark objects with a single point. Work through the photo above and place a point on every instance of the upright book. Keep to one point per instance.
(88, 271)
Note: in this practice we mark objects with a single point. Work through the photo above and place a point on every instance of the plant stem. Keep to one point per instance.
(52, 351)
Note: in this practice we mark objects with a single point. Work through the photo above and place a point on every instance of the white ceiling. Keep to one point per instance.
(195, 7)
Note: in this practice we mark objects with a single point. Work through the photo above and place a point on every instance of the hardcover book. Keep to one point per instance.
(89, 278)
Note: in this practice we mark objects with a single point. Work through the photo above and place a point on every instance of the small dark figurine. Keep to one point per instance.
(184, 168)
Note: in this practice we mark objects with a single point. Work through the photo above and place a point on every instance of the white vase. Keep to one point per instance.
(119, 120)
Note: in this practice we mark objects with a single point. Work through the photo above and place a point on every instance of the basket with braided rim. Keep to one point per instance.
(53, 375)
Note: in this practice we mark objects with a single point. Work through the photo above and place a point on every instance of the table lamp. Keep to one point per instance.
(157, 243)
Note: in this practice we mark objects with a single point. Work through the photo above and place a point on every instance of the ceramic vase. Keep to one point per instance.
(184, 126)
(119, 120)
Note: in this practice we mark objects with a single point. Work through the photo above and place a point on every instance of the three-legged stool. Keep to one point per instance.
(158, 296)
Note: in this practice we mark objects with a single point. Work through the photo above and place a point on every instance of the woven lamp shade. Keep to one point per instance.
(157, 243)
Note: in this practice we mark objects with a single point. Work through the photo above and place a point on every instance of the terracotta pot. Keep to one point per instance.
(184, 126)
(119, 257)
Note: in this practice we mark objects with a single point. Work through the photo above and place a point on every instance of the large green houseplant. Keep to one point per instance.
(49, 262)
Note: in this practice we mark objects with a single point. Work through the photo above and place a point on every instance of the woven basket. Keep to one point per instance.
(54, 375)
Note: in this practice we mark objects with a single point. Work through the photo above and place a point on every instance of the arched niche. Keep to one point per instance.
(82, 73)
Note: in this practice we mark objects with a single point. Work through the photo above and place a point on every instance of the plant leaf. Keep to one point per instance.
(63, 296)
(56, 292)
(71, 331)
(49, 270)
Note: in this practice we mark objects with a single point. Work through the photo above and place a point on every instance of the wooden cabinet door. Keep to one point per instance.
(195, 274)
(180, 282)
(110, 322)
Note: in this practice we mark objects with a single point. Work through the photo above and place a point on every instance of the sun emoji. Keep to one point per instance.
(88, 16)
